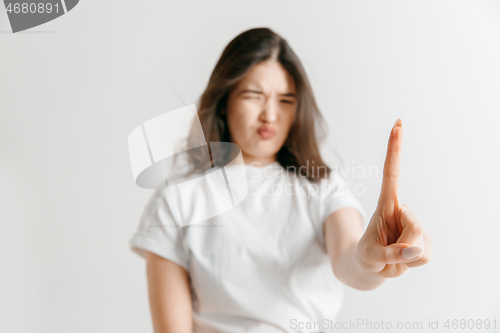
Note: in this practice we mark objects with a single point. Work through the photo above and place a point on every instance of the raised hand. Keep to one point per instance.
(394, 239)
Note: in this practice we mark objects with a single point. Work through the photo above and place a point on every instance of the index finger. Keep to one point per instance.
(390, 181)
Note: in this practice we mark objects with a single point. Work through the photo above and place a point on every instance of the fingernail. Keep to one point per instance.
(398, 122)
(411, 252)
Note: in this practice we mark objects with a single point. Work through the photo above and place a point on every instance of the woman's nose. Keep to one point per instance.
(270, 111)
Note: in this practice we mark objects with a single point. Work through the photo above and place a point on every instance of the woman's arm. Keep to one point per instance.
(342, 231)
(393, 241)
(169, 296)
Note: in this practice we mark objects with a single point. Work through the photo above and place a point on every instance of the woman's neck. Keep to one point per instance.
(258, 161)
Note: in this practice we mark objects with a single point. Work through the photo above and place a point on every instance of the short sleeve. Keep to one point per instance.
(159, 231)
(335, 194)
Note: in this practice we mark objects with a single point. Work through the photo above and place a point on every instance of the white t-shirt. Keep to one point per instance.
(261, 266)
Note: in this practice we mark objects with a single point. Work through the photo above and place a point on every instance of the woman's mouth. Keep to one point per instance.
(266, 132)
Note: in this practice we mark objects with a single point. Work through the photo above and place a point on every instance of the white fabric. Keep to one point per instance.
(261, 265)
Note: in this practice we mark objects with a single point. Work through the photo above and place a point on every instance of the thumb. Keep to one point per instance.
(400, 252)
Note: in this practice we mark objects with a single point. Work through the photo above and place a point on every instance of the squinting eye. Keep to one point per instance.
(251, 96)
(286, 101)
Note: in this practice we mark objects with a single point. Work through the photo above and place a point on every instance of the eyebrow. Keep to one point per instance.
(290, 94)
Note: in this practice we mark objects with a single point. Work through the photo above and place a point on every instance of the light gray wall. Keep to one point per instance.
(73, 89)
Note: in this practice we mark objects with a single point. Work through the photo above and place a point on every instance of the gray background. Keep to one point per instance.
(73, 89)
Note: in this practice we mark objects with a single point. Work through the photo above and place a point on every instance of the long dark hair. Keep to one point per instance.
(300, 151)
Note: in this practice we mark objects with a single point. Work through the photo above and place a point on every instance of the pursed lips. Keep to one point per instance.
(266, 132)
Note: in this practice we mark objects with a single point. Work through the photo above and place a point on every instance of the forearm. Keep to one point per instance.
(169, 296)
(348, 271)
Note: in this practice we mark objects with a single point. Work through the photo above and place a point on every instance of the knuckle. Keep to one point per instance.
(391, 173)
(368, 256)
(383, 257)
(426, 258)
(417, 229)
(409, 214)
(364, 251)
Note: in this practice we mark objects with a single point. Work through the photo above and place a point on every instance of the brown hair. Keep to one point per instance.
(300, 150)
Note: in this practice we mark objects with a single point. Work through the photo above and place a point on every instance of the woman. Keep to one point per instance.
(276, 262)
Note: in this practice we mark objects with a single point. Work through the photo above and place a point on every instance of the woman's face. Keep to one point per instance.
(260, 111)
